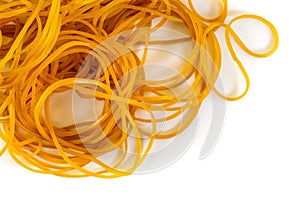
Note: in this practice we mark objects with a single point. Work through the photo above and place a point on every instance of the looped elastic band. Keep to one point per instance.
(229, 32)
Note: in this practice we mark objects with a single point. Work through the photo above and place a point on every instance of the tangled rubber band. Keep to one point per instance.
(49, 47)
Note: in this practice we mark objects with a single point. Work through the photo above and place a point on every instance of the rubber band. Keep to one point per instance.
(49, 47)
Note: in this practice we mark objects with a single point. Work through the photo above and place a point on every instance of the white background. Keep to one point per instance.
(257, 156)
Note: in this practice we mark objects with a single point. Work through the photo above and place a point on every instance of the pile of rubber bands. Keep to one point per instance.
(49, 47)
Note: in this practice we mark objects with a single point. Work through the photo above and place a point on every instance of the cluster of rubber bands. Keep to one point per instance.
(53, 46)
